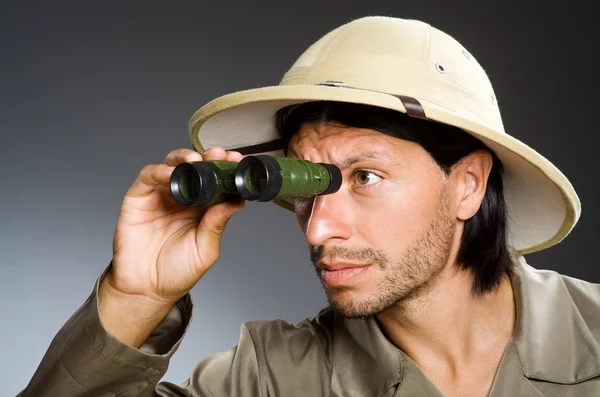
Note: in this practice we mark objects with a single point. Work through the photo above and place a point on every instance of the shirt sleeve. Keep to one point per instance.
(86, 360)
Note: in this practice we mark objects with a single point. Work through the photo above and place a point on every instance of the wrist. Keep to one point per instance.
(130, 318)
(135, 293)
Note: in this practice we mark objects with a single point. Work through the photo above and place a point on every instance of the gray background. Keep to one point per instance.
(90, 93)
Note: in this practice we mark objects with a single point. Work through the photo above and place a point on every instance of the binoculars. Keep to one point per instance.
(255, 178)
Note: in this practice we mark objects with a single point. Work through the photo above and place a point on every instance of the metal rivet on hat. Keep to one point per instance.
(440, 67)
(467, 54)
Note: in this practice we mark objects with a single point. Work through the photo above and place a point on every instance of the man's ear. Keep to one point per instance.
(471, 182)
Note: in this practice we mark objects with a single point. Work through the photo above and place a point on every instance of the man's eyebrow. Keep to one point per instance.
(369, 155)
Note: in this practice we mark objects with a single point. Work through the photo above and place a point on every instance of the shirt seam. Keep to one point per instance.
(258, 369)
(77, 381)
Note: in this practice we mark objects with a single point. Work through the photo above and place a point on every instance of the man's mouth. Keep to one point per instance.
(340, 274)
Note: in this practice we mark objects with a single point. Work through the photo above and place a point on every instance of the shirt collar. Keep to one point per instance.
(552, 337)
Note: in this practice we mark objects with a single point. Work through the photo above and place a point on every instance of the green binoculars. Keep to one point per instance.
(255, 178)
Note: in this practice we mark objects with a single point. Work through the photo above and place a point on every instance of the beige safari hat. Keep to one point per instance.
(411, 67)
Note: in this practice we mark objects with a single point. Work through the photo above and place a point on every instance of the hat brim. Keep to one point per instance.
(542, 205)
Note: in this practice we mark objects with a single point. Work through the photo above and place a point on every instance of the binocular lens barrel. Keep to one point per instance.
(202, 183)
(188, 184)
(267, 178)
(255, 178)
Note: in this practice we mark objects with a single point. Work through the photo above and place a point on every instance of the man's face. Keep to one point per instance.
(387, 232)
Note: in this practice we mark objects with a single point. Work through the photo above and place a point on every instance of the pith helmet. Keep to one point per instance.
(414, 68)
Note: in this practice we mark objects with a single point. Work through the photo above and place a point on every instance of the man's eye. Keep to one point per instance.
(366, 178)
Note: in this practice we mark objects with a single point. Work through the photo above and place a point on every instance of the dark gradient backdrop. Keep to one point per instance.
(90, 92)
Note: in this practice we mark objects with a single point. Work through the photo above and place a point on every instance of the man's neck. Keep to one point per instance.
(446, 330)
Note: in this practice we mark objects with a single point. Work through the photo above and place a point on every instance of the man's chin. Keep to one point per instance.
(351, 312)
(353, 307)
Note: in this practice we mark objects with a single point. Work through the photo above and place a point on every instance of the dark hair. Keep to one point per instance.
(483, 248)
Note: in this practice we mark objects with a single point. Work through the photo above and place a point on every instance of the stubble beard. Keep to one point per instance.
(404, 281)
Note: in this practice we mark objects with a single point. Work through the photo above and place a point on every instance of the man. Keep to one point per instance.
(419, 251)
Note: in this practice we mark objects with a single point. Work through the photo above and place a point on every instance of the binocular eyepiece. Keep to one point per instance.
(255, 178)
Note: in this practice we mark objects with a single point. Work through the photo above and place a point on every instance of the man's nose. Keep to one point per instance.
(328, 220)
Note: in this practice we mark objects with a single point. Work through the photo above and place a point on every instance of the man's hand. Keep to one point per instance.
(160, 249)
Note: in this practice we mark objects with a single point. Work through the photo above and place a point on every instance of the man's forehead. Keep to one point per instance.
(335, 136)
(369, 155)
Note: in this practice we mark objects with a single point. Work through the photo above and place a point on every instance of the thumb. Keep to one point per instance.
(213, 225)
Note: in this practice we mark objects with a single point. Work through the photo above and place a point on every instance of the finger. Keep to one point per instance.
(234, 156)
(214, 153)
(213, 225)
(179, 156)
(150, 176)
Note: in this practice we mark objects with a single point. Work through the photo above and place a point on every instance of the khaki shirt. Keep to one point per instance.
(555, 352)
